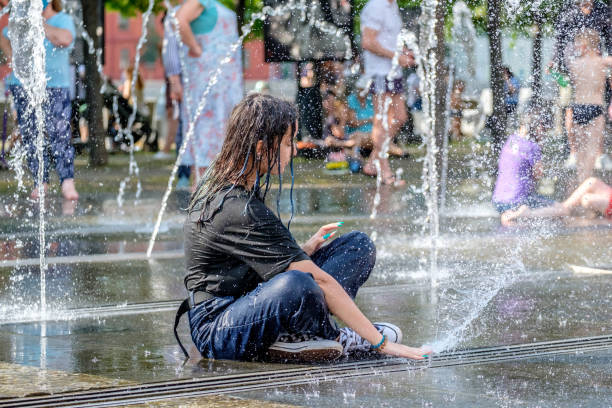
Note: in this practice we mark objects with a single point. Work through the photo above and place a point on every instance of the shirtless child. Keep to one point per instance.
(588, 71)
(593, 194)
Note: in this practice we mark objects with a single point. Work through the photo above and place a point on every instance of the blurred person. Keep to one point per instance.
(309, 103)
(172, 71)
(593, 194)
(456, 109)
(126, 88)
(380, 25)
(360, 110)
(208, 29)
(520, 166)
(579, 16)
(59, 40)
(254, 293)
(334, 134)
(512, 87)
(174, 96)
(588, 72)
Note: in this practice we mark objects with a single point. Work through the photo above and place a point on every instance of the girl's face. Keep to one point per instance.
(287, 149)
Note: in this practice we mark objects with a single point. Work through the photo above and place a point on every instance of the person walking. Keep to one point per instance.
(208, 29)
(59, 41)
(174, 96)
(380, 25)
(254, 293)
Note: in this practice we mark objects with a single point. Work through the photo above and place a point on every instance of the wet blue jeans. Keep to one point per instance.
(291, 302)
(57, 111)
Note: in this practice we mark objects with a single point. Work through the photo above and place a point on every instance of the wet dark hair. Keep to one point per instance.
(536, 116)
(257, 117)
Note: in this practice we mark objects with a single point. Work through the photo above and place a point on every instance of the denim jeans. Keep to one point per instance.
(183, 171)
(533, 200)
(57, 112)
(244, 328)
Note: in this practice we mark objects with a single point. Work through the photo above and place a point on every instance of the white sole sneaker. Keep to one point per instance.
(310, 351)
(393, 333)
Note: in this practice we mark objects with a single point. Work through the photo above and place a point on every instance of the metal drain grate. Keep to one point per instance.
(236, 383)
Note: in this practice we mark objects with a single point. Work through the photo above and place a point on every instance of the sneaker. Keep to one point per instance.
(353, 343)
(603, 162)
(183, 183)
(570, 163)
(303, 348)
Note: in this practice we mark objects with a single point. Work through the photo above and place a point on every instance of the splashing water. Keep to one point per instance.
(27, 36)
(444, 171)
(266, 12)
(133, 169)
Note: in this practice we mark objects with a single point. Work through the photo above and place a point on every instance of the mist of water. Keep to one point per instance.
(28, 61)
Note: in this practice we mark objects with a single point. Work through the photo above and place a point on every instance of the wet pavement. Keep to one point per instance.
(496, 286)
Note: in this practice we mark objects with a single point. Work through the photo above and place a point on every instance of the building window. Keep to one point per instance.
(124, 58)
(124, 23)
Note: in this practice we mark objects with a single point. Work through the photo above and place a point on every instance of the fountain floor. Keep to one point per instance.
(111, 309)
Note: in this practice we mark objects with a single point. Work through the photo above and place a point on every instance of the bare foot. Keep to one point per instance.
(68, 190)
(68, 207)
(369, 169)
(34, 194)
(393, 181)
(508, 217)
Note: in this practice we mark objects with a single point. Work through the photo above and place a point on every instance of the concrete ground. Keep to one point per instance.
(112, 309)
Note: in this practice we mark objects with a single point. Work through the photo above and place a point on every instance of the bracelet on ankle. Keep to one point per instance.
(381, 344)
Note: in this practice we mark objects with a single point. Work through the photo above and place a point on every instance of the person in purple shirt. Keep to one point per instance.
(520, 166)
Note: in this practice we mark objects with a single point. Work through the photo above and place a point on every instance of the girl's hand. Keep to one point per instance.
(323, 234)
(195, 52)
(399, 350)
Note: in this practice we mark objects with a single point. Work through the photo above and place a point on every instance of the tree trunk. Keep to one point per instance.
(536, 66)
(440, 85)
(497, 121)
(93, 17)
(240, 9)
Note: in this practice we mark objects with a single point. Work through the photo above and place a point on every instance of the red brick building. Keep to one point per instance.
(122, 35)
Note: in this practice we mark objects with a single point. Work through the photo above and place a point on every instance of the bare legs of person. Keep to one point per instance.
(588, 139)
(34, 193)
(172, 127)
(68, 190)
(592, 194)
(396, 116)
(331, 141)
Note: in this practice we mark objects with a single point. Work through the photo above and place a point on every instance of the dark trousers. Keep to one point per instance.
(243, 328)
(183, 171)
(57, 111)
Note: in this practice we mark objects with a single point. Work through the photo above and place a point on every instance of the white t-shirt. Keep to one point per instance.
(384, 17)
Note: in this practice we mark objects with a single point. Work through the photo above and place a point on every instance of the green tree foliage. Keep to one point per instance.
(129, 8)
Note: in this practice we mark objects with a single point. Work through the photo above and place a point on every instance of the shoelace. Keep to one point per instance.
(296, 338)
(351, 341)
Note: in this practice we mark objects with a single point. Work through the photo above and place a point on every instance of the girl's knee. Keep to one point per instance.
(362, 240)
(293, 286)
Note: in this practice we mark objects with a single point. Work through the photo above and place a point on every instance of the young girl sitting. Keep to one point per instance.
(254, 293)
(520, 167)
